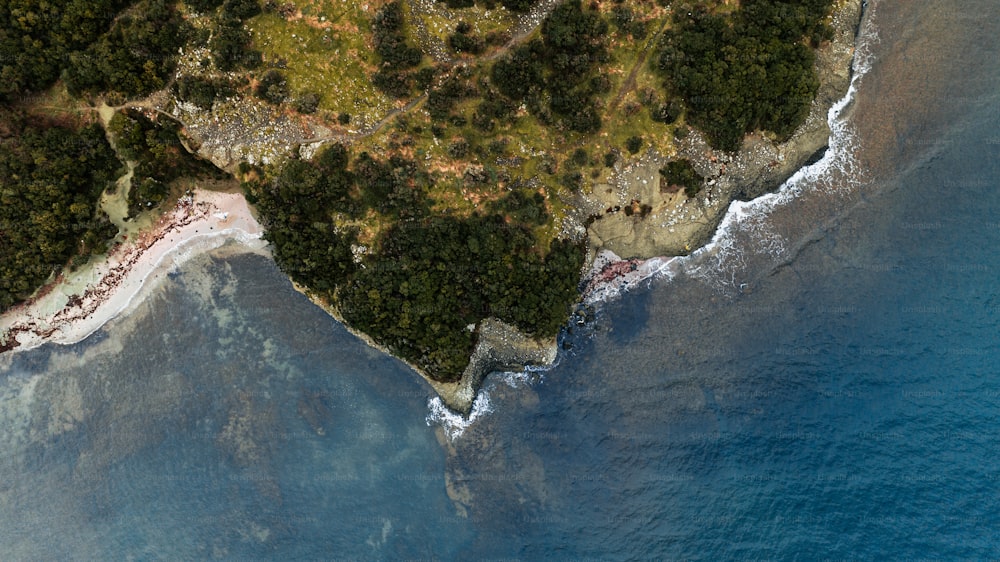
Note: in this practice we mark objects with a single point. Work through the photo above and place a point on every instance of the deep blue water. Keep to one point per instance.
(838, 398)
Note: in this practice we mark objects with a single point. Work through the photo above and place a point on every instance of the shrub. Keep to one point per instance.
(633, 144)
(668, 112)
(197, 90)
(272, 87)
(458, 149)
(307, 103)
(681, 173)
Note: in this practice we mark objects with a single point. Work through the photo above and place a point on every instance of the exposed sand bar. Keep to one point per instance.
(77, 304)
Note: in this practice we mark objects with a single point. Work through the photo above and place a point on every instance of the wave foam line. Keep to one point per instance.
(453, 423)
(741, 214)
(722, 258)
(73, 308)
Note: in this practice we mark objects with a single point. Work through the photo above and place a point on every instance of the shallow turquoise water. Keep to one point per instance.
(227, 418)
(835, 396)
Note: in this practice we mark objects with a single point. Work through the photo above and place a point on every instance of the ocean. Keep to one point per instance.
(821, 382)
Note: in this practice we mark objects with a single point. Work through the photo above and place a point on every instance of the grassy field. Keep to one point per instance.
(440, 21)
(544, 155)
(325, 48)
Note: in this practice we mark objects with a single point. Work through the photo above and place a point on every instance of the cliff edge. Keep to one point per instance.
(678, 225)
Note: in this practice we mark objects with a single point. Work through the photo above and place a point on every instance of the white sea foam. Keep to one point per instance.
(520, 379)
(453, 423)
(723, 259)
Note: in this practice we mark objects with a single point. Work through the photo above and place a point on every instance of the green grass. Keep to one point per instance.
(318, 60)
(326, 51)
(440, 21)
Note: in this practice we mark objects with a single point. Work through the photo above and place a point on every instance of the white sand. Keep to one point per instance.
(77, 304)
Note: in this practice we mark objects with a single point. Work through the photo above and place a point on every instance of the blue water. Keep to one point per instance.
(228, 418)
(837, 398)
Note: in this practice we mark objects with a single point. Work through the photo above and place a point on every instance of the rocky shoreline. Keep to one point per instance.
(500, 347)
(677, 225)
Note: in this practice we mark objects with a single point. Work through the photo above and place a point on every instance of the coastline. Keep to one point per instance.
(76, 304)
(751, 177)
(678, 225)
(607, 274)
(500, 347)
(643, 248)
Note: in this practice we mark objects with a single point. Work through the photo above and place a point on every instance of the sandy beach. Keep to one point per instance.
(76, 304)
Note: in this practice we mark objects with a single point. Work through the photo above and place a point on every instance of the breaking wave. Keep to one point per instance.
(747, 227)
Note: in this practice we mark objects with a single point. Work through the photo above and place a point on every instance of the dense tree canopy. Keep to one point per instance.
(428, 277)
(296, 205)
(430, 280)
(552, 74)
(103, 46)
(135, 57)
(747, 71)
(38, 36)
(51, 178)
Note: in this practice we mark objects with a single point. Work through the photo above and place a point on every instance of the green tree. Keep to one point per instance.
(135, 57)
(52, 178)
(560, 66)
(38, 37)
(272, 87)
(746, 71)
(633, 144)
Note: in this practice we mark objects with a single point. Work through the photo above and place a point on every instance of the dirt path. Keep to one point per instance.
(525, 25)
(629, 84)
(522, 30)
